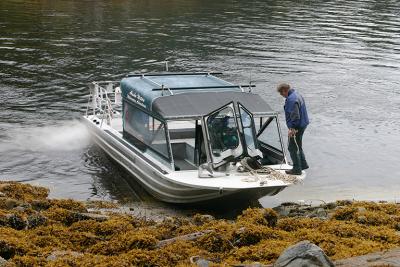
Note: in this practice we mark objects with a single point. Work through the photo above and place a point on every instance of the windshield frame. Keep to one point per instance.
(236, 152)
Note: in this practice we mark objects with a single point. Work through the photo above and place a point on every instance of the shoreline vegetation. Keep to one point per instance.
(37, 231)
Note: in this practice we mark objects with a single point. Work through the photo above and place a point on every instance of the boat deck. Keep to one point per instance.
(235, 180)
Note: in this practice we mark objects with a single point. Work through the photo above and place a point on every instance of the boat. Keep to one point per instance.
(189, 137)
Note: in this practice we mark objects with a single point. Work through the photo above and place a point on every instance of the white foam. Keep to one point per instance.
(63, 136)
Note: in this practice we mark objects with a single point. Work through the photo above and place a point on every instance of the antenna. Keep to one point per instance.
(166, 65)
(250, 83)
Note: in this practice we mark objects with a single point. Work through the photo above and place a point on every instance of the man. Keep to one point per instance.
(296, 121)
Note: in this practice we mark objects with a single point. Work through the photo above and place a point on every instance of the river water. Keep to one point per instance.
(343, 56)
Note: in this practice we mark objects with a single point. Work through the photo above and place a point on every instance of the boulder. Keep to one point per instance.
(303, 254)
(9, 203)
(271, 217)
(330, 205)
(35, 220)
(94, 216)
(200, 262)
(16, 221)
(362, 219)
(7, 251)
(254, 264)
(3, 262)
(320, 213)
(63, 253)
(283, 211)
(382, 258)
(40, 204)
(200, 219)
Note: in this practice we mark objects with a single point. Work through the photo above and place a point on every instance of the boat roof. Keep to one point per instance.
(144, 88)
(184, 95)
(196, 105)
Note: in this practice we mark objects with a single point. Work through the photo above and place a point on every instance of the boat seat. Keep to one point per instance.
(183, 153)
(181, 133)
(182, 165)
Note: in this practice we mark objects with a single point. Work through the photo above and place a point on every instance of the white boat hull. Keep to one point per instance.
(174, 186)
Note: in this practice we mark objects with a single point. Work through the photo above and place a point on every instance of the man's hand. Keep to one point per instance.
(292, 132)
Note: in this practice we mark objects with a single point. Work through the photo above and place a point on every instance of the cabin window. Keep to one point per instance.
(269, 140)
(145, 131)
(270, 135)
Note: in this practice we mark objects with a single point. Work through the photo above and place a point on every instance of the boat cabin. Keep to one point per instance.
(185, 120)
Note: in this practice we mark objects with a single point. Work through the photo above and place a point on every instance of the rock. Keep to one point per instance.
(16, 221)
(40, 204)
(271, 217)
(330, 205)
(188, 237)
(304, 254)
(345, 202)
(35, 220)
(93, 216)
(254, 264)
(200, 261)
(9, 203)
(320, 213)
(23, 207)
(339, 207)
(383, 258)
(362, 219)
(200, 219)
(293, 204)
(74, 217)
(361, 210)
(59, 254)
(3, 262)
(7, 251)
(283, 211)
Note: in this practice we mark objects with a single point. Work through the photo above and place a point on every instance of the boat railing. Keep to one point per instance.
(104, 99)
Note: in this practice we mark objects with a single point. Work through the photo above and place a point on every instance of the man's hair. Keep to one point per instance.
(283, 86)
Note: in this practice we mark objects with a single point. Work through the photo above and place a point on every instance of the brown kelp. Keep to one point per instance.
(37, 231)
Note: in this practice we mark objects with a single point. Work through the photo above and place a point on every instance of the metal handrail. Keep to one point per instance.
(101, 102)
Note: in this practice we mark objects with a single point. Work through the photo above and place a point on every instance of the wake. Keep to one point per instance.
(62, 136)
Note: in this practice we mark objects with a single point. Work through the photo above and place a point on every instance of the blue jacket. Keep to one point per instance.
(296, 110)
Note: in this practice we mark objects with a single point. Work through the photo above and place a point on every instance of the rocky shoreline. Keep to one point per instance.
(37, 231)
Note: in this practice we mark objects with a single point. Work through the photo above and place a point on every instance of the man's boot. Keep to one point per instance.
(304, 166)
(296, 158)
(294, 171)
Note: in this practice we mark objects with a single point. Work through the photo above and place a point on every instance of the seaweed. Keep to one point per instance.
(36, 231)
(23, 192)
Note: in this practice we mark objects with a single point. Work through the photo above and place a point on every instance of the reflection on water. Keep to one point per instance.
(342, 55)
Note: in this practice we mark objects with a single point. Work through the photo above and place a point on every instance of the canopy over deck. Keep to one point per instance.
(145, 88)
(196, 105)
(187, 95)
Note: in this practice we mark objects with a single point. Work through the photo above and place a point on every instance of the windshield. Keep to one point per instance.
(269, 133)
(223, 131)
(248, 131)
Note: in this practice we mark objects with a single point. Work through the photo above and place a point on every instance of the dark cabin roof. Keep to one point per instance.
(187, 95)
(196, 105)
(144, 88)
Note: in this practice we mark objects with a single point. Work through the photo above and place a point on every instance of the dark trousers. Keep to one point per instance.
(296, 151)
